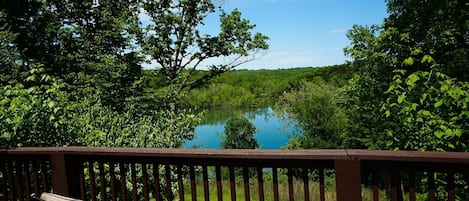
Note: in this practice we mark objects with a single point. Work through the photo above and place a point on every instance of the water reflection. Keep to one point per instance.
(272, 131)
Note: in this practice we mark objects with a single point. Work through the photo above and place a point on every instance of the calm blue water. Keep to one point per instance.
(272, 131)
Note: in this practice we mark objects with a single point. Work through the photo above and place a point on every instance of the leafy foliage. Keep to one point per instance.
(239, 134)
(174, 41)
(315, 108)
(71, 72)
(416, 107)
(219, 95)
(84, 43)
(43, 115)
(430, 105)
(101, 126)
(36, 115)
(261, 88)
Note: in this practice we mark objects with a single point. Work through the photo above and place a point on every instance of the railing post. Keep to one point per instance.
(65, 175)
(348, 180)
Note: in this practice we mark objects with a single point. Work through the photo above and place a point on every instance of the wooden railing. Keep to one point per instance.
(197, 174)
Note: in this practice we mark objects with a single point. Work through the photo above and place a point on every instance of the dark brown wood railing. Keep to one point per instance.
(197, 174)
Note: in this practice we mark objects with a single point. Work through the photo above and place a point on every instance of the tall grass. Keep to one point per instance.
(298, 192)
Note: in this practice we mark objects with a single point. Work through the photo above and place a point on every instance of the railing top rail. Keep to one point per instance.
(323, 154)
(331, 154)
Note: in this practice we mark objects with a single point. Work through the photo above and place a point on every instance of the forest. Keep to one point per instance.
(255, 88)
(71, 73)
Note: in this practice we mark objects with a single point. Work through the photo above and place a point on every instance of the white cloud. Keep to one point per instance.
(283, 59)
(291, 59)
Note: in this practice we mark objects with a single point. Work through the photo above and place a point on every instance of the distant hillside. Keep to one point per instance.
(256, 88)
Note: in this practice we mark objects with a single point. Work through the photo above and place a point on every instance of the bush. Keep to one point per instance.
(239, 134)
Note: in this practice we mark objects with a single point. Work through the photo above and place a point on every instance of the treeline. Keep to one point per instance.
(258, 88)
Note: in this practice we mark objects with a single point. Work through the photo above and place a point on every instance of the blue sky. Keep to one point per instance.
(305, 32)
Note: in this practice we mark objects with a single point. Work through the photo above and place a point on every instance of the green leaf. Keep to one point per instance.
(425, 112)
(416, 52)
(438, 103)
(388, 113)
(6, 135)
(50, 104)
(409, 61)
(412, 79)
(444, 87)
(428, 59)
(401, 98)
(438, 134)
(31, 78)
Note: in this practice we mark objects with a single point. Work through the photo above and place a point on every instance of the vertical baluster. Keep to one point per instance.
(92, 180)
(10, 180)
(412, 186)
(27, 180)
(451, 187)
(232, 184)
(3, 180)
(180, 183)
(102, 181)
(275, 183)
(395, 180)
(466, 179)
(112, 173)
(134, 181)
(290, 184)
(374, 183)
(431, 186)
(82, 182)
(44, 176)
(260, 183)
(156, 175)
(306, 184)
(247, 196)
(322, 195)
(2, 183)
(145, 182)
(193, 185)
(18, 179)
(218, 180)
(168, 183)
(219, 187)
(123, 182)
(205, 178)
(35, 178)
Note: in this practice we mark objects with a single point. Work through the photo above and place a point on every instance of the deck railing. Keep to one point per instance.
(197, 174)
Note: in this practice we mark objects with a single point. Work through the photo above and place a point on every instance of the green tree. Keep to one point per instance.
(432, 109)
(43, 115)
(87, 44)
(9, 55)
(315, 108)
(239, 134)
(222, 95)
(70, 75)
(399, 50)
(174, 41)
(37, 115)
(72, 69)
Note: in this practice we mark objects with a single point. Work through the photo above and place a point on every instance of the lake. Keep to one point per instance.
(272, 131)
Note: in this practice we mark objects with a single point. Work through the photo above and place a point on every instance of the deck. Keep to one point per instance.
(91, 173)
